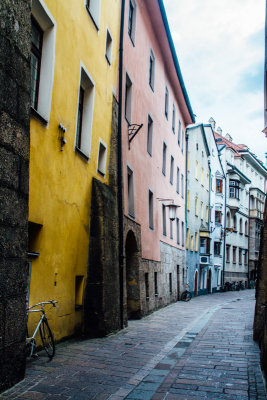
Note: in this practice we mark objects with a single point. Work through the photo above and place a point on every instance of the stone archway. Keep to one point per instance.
(195, 287)
(132, 277)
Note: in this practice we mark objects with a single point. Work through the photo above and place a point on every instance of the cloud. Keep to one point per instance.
(220, 47)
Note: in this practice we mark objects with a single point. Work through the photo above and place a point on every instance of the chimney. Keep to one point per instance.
(219, 131)
(212, 122)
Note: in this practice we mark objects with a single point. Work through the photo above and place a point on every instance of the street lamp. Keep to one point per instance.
(172, 208)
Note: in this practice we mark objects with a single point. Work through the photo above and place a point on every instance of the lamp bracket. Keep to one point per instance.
(133, 129)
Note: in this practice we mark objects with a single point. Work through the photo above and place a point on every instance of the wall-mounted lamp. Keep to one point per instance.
(62, 138)
(172, 208)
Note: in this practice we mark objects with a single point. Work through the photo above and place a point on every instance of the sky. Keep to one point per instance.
(220, 48)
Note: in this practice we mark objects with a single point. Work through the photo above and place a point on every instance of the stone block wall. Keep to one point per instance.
(260, 319)
(15, 46)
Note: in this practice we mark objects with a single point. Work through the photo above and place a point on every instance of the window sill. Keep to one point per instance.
(101, 173)
(151, 87)
(92, 18)
(147, 298)
(156, 295)
(131, 39)
(84, 156)
(38, 116)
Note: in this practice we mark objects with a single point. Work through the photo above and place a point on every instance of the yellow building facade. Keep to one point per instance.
(74, 78)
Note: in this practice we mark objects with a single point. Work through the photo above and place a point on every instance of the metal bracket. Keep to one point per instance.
(133, 129)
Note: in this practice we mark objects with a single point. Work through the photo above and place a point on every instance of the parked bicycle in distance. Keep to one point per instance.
(186, 295)
(44, 330)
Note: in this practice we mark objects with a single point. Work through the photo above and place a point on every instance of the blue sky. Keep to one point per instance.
(220, 48)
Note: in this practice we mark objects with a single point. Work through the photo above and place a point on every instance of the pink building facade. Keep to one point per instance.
(156, 106)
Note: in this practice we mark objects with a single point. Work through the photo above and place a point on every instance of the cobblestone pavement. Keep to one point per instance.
(202, 349)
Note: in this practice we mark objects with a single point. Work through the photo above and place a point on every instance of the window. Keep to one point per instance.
(234, 223)
(217, 248)
(218, 186)
(197, 173)
(246, 227)
(170, 282)
(93, 8)
(228, 253)
(171, 229)
(234, 255)
(202, 210)
(128, 98)
(218, 217)
(188, 200)
(187, 238)
(191, 243)
(228, 218)
(209, 182)
(36, 56)
(130, 182)
(188, 161)
(132, 20)
(207, 214)
(164, 155)
(156, 283)
(234, 189)
(171, 170)
(182, 233)
(241, 226)
(150, 210)
(245, 257)
(85, 115)
(196, 241)
(177, 231)
(164, 231)
(147, 286)
(102, 157)
(179, 133)
(178, 180)
(202, 176)
(196, 206)
(151, 70)
(204, 245)
(166, 102)
(182, 185)
(240, 256)
(182, 141)
(42, 60)
(108, 53)
(149, 135)
(173, 118)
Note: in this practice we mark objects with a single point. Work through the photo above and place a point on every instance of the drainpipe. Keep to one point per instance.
(209, 214)
(224, 230)
(186, 186)
(119, 160)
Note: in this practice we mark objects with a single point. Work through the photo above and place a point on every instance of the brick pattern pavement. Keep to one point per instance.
(195, 350)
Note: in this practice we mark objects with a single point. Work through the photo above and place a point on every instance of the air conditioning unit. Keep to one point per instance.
(204, 260)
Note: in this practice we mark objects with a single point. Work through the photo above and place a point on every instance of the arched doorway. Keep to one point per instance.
(132, 277)
(209, 281)
(196, 279)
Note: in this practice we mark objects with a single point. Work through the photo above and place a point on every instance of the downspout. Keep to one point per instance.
(186, 186)
(209, 212)
(119, 170)
(224, 230)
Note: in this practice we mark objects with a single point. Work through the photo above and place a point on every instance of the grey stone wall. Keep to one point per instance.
(102, 292)
(260, 319)
(15, 43)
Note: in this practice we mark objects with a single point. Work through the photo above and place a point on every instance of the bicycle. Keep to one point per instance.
(44, 329)
(186, 295)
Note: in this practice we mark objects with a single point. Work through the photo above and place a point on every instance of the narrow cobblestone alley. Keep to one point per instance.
(202, 349)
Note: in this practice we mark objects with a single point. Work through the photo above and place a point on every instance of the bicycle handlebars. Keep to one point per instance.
(53, 302)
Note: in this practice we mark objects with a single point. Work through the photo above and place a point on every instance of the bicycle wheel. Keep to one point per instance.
(47, 339)
(184, 296)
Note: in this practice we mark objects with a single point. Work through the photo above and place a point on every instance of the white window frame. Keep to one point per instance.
(134, 18)
(150, 124)
(166, 109)
(128, 98)
(48, 25)
(94, 11)
(173, 117)
(102, 163)
(130, 192)
(88, 85)
(151, 73)
(108, 48)
(150, 209)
